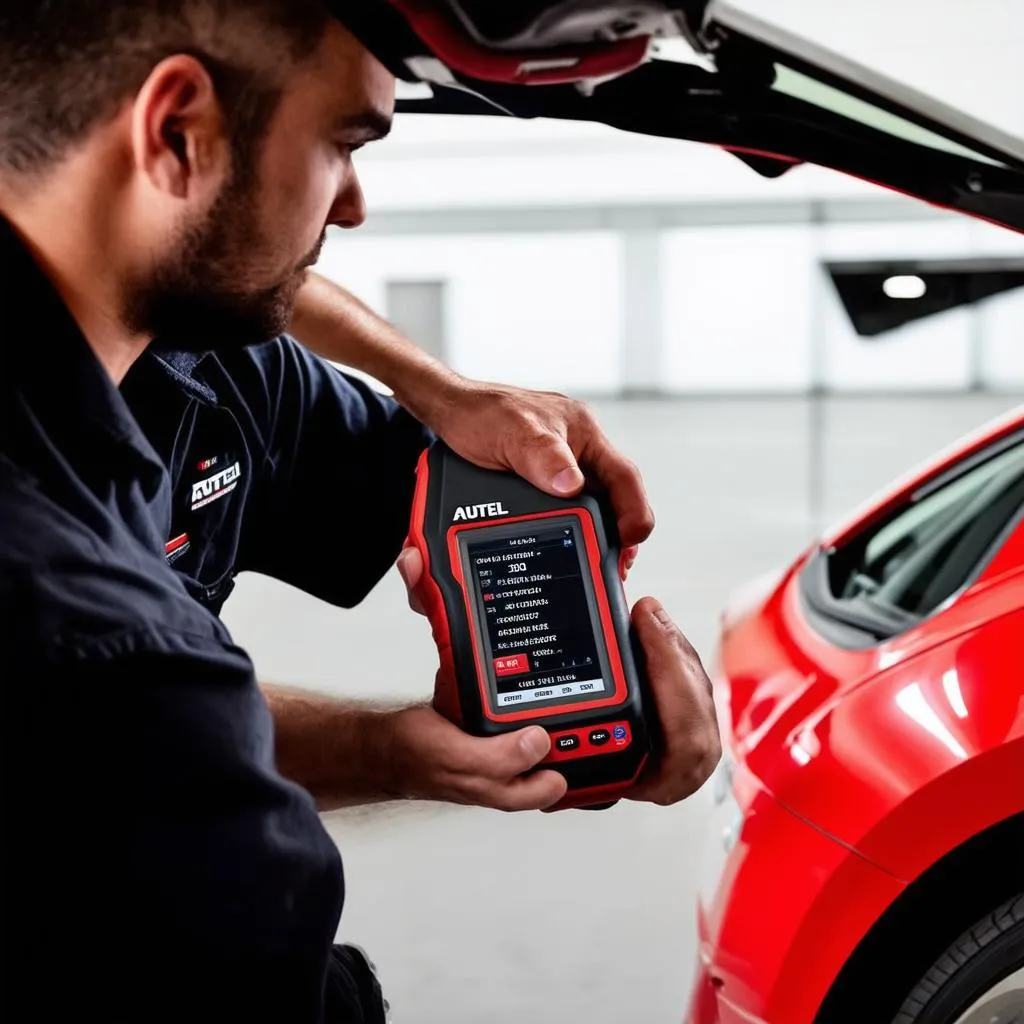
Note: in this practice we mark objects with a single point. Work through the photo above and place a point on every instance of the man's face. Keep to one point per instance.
(233, 274)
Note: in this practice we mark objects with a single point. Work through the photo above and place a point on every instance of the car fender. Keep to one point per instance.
(926, 754)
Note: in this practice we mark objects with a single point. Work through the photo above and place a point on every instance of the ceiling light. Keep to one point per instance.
(904, 286)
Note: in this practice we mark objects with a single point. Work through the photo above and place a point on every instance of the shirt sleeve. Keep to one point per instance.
(330, 507)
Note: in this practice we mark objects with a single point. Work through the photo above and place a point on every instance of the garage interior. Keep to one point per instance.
(702, 310)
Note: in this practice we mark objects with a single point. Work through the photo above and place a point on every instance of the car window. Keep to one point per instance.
(925, 553)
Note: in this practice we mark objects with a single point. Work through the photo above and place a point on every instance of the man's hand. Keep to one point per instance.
(348, 753)
(545, 437)
(435, 760)
(689, 745)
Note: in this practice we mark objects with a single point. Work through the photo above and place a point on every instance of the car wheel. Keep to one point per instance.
(979, 979)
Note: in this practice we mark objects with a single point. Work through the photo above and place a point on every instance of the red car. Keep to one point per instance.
(866, 861)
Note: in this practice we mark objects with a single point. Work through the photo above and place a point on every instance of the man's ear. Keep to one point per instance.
(179, 139)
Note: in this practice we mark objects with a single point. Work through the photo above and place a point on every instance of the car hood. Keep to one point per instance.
(700, 70)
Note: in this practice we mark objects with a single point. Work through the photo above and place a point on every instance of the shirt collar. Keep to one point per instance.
(180, 366)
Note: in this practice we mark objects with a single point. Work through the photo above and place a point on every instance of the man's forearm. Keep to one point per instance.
(340, 751)
(347, 754)
(336, 325)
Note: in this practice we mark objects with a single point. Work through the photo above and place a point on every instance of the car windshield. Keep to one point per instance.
(929, 550)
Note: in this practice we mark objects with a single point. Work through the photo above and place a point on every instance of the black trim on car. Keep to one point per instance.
(965, 465)
(684, 101)
(865, 621)
(846, 623)
(736, 107)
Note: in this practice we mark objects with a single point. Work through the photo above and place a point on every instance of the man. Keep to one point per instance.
(166, 171)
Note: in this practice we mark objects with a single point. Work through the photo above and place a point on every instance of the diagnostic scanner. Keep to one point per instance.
(524, 595)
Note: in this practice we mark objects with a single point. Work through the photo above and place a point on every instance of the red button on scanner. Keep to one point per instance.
(511, 665)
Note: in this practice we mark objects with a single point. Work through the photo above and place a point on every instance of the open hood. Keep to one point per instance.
(700, 70)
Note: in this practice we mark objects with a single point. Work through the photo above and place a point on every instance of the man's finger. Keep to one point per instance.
(629, 559)
(659, 636)
(410, 568)
(534, 792)
(673, 666)
(625, 487)
(549, 464)
(685, 707)
(678, 680)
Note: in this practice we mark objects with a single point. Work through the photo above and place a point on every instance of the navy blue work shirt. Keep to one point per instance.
(279, 464)
(155, 864)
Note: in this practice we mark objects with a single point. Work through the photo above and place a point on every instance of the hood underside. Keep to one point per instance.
(699, 70)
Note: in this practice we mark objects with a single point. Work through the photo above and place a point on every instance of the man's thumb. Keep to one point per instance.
(410, 568)
(658, 634)
(518, 751)
(550, 465)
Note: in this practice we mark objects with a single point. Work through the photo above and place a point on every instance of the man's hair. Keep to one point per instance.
(67, 66)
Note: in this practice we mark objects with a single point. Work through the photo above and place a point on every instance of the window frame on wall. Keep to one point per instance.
(426, 323)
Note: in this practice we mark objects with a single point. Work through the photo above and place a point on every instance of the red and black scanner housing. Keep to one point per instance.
(599, 729)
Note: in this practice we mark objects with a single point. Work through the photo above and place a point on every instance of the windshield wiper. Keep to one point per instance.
(861, 612)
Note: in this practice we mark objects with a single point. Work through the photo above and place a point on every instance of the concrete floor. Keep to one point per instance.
(475, 916)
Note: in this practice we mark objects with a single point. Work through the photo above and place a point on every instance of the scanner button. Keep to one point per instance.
(570, 742)
(511, 665)
(599, 737)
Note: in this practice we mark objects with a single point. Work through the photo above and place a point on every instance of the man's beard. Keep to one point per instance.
(198, 300)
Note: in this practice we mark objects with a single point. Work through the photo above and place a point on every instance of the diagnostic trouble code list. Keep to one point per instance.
(538, 620)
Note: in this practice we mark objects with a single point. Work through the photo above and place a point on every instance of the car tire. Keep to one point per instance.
(963, 985)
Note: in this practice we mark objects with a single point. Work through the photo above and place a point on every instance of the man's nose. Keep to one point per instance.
(349, 210)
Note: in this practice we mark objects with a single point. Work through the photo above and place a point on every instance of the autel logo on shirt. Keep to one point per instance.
(216, 486)
(488, 510)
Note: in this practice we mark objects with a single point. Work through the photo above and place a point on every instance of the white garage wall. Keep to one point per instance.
(1000, 319)
(899, 240)
(536, 310)
(744, 309)
(928, 355)
(934, 353)
(613, 167)
(1001, 333)
(738, 307)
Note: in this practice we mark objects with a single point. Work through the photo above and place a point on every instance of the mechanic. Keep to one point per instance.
(166, 170)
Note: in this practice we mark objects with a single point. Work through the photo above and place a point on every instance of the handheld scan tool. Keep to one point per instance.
(524, 594)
